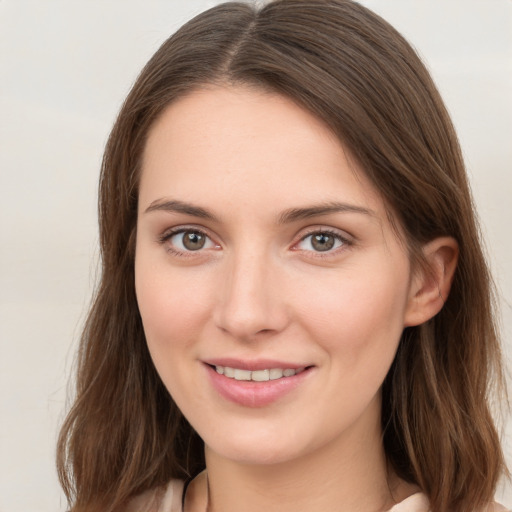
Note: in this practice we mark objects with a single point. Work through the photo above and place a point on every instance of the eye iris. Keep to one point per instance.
(193, 241)
(322, 242)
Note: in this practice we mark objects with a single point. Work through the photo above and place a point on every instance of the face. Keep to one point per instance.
(272, 288)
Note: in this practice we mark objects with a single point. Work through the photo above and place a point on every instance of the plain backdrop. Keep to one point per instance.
(65, 68)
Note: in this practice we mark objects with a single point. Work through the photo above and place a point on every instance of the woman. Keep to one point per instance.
(294, 312)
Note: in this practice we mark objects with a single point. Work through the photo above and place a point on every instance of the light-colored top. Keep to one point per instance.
(173, 497)
(171, 501)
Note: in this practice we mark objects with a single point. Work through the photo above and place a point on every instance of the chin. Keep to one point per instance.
(255, 455)
(257, 446)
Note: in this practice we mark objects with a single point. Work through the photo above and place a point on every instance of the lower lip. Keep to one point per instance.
(255, 394)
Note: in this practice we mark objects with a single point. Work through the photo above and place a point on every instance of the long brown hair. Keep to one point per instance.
(350, 68)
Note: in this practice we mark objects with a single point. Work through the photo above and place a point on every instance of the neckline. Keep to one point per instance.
(418, 499)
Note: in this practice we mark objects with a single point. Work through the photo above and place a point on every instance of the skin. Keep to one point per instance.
(260, 289)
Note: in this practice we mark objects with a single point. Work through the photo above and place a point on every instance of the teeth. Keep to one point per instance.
(260, 375)
(257, 375)
(275, 373)
(229, 372)
(242, 374)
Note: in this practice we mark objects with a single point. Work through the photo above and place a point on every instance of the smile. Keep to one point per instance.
(256, 384)
(257, 375)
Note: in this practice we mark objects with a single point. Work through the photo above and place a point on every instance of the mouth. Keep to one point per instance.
(257, 375)
(256, 384)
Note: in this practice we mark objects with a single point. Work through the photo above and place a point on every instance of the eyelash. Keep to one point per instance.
(345, 241)
(167, 235)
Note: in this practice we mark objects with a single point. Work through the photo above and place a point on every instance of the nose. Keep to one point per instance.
(251, 301)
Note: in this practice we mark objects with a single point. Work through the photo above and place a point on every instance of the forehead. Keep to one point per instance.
(241, 144)
(212, 115)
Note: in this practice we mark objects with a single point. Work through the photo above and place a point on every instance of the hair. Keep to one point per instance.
(351, 69)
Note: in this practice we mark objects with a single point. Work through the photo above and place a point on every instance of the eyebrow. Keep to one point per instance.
(295, 214)
(180, 207)
(285, 217)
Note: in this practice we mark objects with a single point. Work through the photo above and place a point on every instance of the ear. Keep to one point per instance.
(430, 286)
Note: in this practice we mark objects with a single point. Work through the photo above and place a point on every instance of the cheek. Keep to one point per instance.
(359, 314)
(173, 305)
(174, 310)
(358, 325)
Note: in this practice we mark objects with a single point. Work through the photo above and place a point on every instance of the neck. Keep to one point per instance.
(348, 474)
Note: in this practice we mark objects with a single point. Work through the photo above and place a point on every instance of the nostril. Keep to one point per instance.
(264, 331)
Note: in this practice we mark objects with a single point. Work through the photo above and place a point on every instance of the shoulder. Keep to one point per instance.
(496, 507)
(143, 502)
(166, 499)
(420, 503)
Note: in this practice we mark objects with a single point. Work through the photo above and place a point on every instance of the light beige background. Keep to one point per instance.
(65, 68)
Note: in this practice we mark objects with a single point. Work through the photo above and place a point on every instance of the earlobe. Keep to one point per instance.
(430, 286)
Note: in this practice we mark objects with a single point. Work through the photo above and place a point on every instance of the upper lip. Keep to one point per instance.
(253, 365)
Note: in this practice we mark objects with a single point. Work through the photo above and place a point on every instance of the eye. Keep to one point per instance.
(321, 241)
(188, 240)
